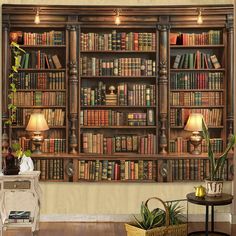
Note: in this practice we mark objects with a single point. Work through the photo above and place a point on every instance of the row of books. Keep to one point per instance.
(182, 145)
(51, 169)
(39, 60)
(195, 80)
(135, 66)
(212, 37)
(149, 170)
(116, 118)
(127, 94)
(196, 98)
(54, 145)
(179, 116)
(129, 41)
(39, 98)
(192, 169)
(49, 145)
(198, 60)
(42, 80)
(100, 144)
(52, 37)
(54, 117)
(116, 170)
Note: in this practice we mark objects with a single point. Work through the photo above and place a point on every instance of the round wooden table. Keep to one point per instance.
(225, 199)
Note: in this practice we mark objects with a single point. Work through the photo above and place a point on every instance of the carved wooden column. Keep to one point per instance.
(5, 66)
(73, 88)
(163, 86)
(230, 75)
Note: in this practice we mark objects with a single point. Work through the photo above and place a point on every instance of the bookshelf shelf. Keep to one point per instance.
(196, 46)
(43, 46)
(50, 127)
(118, 52)
(22, 106)
(119, 127)
(209, 126)
(198, 70)
(199, 106)
(41, 90)
(42, 70)
(196, 90)
(116, 106)
(117, 77)
(132, 65)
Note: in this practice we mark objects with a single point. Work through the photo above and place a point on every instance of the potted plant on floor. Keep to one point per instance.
(159, 222)
(214, 182)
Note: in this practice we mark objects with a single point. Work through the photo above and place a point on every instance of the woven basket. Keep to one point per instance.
(167, 230)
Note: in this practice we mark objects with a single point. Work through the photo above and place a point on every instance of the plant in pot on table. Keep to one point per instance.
(214, 182)
(24, 158)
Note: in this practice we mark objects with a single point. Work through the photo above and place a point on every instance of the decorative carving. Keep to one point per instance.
(230, 75)
(5, 61)
(71, 27)
(163, 84)
(73, 88)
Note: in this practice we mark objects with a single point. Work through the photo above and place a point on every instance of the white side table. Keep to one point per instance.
(23, 189)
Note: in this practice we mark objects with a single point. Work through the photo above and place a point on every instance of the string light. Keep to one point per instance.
(117, 19)
(199, 17)
(37, 19)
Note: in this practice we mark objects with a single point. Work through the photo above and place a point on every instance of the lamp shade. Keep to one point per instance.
(37, 123)
(194, 122)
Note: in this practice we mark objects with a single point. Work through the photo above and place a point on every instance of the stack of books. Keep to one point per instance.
(19, 217)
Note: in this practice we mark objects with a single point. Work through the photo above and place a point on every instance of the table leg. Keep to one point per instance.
(212, 218)
(206, 220)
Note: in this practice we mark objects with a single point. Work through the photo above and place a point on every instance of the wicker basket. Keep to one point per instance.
(167, 230)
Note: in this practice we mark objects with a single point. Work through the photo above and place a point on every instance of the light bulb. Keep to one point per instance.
(199, 17)
(117, 20)
(37, 19)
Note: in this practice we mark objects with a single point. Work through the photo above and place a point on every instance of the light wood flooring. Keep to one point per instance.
(99, 229)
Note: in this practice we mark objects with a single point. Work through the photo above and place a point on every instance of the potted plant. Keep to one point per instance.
(24, 158)
(214, 182)
(158, 222)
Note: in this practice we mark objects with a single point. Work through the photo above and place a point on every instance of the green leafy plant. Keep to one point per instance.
(176, 212)
(216, 163)
(19, 151)
(16, 51)
(157, 217)
(150, 219)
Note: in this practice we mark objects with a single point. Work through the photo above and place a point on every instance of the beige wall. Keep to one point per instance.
(111, 198)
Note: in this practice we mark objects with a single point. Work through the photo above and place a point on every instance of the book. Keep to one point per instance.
(177, 61)
(56, 61)
(215, 62)
(19, 215)
(173, 38)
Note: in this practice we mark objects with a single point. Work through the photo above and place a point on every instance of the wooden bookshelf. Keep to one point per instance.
(141, 121)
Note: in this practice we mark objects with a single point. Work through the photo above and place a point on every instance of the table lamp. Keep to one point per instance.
(194, 124)
(37, 124)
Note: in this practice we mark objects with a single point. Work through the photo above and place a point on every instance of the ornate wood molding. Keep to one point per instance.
(5, 66)
(230, 75)
(163, 86)
(73, 89)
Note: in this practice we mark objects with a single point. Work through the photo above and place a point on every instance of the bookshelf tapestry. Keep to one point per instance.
(117, 97)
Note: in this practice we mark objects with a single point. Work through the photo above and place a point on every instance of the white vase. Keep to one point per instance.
(214, 188)
(26, 164)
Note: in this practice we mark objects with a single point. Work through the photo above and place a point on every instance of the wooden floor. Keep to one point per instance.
(99, 229)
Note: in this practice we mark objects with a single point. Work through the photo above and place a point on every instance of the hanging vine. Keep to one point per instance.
(16, 54)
